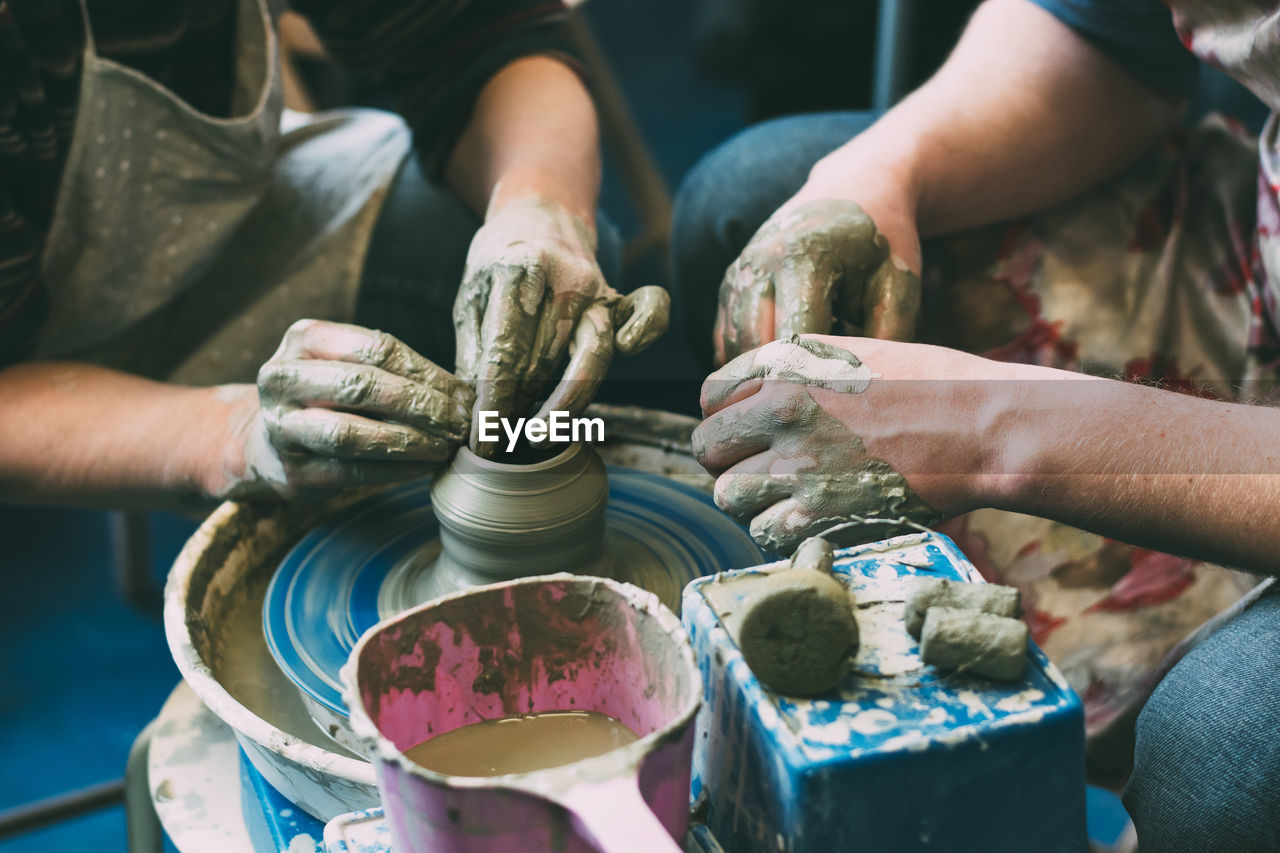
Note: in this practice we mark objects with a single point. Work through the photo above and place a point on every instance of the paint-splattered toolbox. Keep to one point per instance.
(900, 756)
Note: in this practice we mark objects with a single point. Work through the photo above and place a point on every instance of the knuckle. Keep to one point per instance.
(789, 406)
(272, 378)
(300, 330)
(701, 443)
(357, 389)
(381, 349)
(276, 429)
(518, 257)
(341, 438)
(722, 494)
(730, 276)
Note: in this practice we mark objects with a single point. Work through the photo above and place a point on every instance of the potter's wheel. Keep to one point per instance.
(376, 558)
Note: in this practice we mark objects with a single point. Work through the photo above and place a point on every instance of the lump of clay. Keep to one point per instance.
(970, 641)
(798, 638)
(798, 631)
(939, 592)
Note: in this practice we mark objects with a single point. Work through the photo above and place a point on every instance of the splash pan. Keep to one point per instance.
(374, 560)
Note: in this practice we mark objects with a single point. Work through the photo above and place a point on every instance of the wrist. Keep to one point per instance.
(1028, 422)
(221, 461)
(884, 191)
(534, 187)
(536, 212)
(1006, 445)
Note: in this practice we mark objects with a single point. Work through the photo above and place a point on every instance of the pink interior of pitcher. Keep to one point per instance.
(555, 644)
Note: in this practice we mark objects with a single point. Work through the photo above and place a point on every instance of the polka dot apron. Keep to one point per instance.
(183, 244)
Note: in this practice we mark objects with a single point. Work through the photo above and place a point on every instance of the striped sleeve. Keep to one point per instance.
(36, 113)
(438, 54)
(23, 298)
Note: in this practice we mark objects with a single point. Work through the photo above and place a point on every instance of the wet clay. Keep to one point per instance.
(815, 473)
(521, 743)
(938, 592)
(335, 404)
(500, 521)
(979, 643)
(798, 630)
(807, 267)
(532, 291)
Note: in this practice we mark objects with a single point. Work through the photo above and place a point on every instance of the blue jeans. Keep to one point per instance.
(416, 258)
(1207, 764)
(1206, 767)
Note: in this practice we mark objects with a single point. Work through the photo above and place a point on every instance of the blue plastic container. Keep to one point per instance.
(900, 757)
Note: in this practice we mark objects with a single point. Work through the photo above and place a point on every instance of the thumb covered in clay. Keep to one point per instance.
(641, 317)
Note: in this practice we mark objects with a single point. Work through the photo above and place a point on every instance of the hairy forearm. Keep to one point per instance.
(1024, 114)
(83, 435)
(533, 133)
(1152, 467)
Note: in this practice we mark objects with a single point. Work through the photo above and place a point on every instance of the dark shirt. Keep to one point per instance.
(1137, 35)
(436, 55)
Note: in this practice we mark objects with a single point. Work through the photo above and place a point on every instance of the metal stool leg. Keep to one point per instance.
(893, 53)
(141, 822)
(131, 556)
(60, 807)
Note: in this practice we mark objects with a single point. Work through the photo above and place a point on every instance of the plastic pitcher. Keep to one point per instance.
(548, 643)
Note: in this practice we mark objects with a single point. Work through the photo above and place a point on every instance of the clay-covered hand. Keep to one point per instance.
(533, 291)
(808, 266)
(340, 405)
(802, 435)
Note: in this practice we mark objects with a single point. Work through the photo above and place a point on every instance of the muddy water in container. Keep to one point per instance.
(548, 644)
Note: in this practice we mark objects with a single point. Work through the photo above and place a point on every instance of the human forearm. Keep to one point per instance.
(532, 133)
(336, 406)
(1023, 114)
(874, 430)
(79, 434)
(1154, 468)
(533, 290)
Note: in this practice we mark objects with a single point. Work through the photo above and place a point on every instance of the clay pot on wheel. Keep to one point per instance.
(500, 521)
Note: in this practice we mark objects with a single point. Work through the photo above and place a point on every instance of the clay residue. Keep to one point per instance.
(809, 473)
(801, 360)
(533, 292)
(806, 268)
(974, 642)
(939, 592)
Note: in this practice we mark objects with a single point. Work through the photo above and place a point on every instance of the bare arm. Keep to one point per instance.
(1023, 114)
(533, 290)
(928, 432)
(79, 434)
(1158, 469)
(336, 406)
(532, 133)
